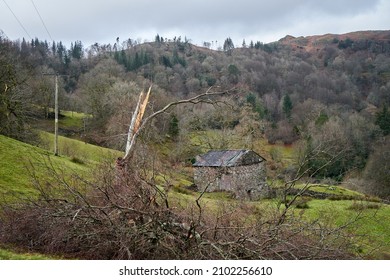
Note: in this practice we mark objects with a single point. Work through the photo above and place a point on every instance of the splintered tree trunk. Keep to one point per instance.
(130, 133)
(136, 123)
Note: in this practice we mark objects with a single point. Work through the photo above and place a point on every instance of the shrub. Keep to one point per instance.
(301, 202)
(360, 206)
(376, 173)
(120, 215)
(76, 160)
(181, 190)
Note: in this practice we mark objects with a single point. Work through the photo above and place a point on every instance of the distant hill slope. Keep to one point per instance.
(316, 42)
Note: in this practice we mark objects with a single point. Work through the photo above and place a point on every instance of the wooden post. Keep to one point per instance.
(55, 111)
(56, 117)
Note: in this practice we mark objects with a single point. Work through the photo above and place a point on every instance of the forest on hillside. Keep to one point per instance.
(335, 95)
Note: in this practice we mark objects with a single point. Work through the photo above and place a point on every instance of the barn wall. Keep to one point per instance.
(207, 177)
(246, 182)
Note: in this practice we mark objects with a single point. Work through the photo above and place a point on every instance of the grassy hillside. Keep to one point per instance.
(77, 150)
(370, 220)
(19, 160)
(69, 121)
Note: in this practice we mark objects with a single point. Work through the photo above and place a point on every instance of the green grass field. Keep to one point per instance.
(79, 151)
(330, 189)
(71, 120)
(76, 149)
(6, 254)
(369, 222)
(19, 160)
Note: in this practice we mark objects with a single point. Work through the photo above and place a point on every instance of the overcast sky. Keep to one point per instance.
(103, 21)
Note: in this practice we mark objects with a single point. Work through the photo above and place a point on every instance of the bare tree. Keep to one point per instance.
(16, 109)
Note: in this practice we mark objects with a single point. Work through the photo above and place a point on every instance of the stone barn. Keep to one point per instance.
(241, 172)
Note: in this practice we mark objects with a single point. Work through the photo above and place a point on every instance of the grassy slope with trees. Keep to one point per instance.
(371, 226)
(326, 96)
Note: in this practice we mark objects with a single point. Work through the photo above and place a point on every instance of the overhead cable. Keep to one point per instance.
(43, 23)
(9, 8)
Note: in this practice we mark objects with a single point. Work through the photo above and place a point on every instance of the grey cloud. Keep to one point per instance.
(99, 20)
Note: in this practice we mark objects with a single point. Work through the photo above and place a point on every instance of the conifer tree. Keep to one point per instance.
(383, 120)
(287, 106)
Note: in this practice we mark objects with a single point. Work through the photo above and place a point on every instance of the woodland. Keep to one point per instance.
(316, 108)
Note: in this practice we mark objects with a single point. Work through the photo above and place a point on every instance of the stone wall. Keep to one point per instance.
(246, 182)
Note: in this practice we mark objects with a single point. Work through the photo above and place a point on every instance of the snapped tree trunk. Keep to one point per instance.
(138, 123)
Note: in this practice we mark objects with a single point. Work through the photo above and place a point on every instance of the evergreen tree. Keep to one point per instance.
(251, 99)
(25, 50)
(61, 51)
(287, 106)
(383, 120)
(157, 39)
(173, 130)
(259, 45)
(256, 106)
(228, 46)
(234, 72)
(54, 48)
(76, 50)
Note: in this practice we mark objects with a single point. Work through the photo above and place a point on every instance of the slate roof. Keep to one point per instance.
(227, 158)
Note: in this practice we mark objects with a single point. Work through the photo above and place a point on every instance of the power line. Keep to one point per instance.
(2, 34)
(9, 8)
(44, 25)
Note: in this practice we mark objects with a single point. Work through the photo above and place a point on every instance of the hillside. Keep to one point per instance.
(312, 44)
(372, 219)
(19, 161)
(22, 164)
(316, 108)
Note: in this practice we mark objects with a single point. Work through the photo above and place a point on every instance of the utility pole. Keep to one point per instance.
(56, 117)
(55, 111)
